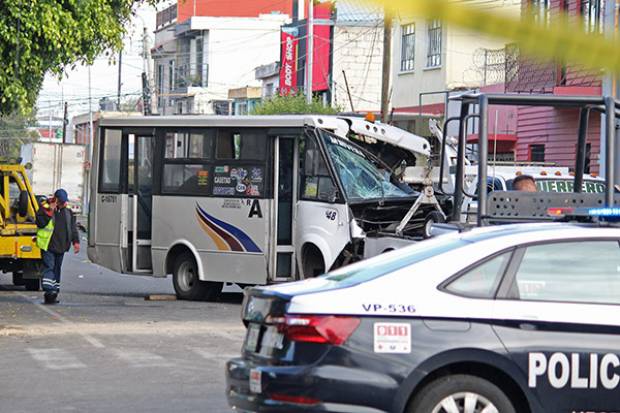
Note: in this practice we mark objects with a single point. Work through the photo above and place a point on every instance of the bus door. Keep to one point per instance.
(108, 205)
(141, 152)
(285, 198)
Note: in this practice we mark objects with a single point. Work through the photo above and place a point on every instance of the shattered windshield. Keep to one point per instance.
(361, 178)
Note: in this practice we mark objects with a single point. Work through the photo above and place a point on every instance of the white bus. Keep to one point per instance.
(246, 200)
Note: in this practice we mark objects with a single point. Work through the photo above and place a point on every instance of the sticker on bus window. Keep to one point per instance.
(203, 177)
(311, 190)
(257, 175)
(238, 181)
(223, 190)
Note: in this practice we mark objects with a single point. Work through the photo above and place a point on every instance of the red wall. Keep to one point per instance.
(557, 130)
(230, 8)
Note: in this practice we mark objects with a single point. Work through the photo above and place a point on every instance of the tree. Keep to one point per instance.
(14, 132)
(293, 104)
(41, 36)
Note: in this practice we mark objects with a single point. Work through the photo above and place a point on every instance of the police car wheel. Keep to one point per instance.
(186, 283)
(462, 394)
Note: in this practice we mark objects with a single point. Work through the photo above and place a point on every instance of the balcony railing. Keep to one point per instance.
(166, 16)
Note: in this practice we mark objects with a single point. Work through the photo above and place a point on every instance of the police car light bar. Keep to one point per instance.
(611, 212)
(603, 213)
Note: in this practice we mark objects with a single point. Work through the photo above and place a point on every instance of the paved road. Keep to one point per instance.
(105, 349)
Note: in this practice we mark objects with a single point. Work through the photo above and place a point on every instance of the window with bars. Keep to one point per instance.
(592, 13)
(539, 10)
(433, 55)
(407, 57)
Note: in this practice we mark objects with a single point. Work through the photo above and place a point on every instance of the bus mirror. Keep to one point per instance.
(333, 195)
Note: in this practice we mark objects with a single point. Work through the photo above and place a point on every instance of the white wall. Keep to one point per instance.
(359, 51)
(458, 67)
(466, 58)
(407, 85)
(165, 46)
(236, 47)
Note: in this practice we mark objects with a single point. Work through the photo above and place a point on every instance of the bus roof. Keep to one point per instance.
(281, 121)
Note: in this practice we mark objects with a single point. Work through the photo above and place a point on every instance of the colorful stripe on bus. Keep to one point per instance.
(225, 236)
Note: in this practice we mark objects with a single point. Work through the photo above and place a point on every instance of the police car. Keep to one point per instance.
(511, 318)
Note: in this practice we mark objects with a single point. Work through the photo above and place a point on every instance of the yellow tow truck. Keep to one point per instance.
(18, 207)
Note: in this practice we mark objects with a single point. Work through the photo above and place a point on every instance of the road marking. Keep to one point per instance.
(90, 339)
(56, 359)
(138, 358)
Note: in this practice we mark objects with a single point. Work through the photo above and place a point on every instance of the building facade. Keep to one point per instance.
(430, 59)
(347, 55)
(202, 49)
(269, 77)
(547, 134)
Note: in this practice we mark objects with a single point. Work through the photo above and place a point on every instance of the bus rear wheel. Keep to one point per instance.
(186, 283)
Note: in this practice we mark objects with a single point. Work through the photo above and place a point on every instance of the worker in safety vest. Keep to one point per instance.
(57, 231)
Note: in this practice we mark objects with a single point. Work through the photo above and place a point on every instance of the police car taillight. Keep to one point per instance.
(318, 329)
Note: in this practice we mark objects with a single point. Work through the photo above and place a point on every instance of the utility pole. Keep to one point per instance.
(118, 93)
(608, 86)
(90, 121)
(387, 66)
(65, 121)
(146, 75)
(310, 51)
(90, 147)
(346, 83)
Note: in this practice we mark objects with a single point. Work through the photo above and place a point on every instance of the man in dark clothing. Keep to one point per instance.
(57, 232)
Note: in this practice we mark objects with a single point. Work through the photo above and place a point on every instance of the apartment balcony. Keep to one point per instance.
(166, 16)
(525, 74)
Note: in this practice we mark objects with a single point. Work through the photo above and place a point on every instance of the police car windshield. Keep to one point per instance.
(387, 263)
(361, 178)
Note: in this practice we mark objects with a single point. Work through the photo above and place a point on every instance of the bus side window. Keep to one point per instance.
(316, 182)
(244, 144)
(110, 178)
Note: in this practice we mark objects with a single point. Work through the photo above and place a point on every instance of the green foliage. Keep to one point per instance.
(14, 132)
(293, 104)
(41, 36)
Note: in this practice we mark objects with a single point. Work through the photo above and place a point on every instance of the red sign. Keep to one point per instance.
(288, 72)
(322, 47)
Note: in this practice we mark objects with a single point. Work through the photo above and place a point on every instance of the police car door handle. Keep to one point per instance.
(528, 326)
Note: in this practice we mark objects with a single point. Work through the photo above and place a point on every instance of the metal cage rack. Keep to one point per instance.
(511, 206)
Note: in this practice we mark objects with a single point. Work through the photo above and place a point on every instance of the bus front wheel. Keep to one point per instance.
(187, 285)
